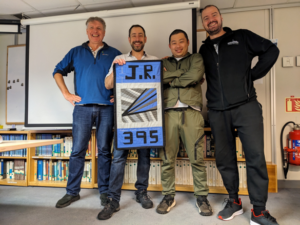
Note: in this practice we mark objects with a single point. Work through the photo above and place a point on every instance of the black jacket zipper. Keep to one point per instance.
(218, 66)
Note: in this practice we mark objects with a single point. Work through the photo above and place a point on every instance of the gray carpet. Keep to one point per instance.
(35, 206)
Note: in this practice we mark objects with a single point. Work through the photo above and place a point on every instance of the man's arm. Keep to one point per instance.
(64, 90)
(109, 79)
(193, 75)
(266, 51)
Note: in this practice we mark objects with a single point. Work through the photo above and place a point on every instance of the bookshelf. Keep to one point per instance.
(48, 183)
(13, 182)
(30, 181)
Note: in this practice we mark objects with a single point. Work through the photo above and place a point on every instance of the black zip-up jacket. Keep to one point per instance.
(229, 75)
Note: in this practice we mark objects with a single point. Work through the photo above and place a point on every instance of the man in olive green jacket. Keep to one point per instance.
(183, 120)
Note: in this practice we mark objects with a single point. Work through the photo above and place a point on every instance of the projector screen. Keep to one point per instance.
(47, 44)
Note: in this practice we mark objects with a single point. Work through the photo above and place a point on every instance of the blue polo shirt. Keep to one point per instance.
(89, 72)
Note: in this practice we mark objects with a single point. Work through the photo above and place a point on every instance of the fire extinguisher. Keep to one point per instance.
(291, 153)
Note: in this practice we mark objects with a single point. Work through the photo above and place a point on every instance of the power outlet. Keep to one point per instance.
(287, 61)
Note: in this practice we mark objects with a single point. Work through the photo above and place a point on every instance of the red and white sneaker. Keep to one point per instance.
(231, 209)
(263, 219)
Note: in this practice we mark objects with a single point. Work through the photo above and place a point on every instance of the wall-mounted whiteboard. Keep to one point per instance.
(49, 43)
(15, 84)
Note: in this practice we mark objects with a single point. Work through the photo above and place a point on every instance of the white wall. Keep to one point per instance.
(286, 29)
(5, 40)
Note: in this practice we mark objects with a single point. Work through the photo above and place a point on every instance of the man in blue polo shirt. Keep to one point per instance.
(92, 107)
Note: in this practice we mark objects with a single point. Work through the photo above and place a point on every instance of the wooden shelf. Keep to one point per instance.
(31, 135)
(187, 188)
(13, 182)
(14, 132)
(48, 183)
(184, 158)
(51, 131)
(13, 157)
(56, 157)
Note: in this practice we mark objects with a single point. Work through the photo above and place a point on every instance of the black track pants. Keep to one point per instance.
(248, 121)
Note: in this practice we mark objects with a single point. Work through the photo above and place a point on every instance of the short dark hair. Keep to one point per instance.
(136, 25)
(178, 31)
(201, 10)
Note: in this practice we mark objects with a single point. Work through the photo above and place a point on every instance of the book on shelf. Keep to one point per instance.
(183, 173)
(13, 137)
(12, 169)
(58, 170)
(58, 150)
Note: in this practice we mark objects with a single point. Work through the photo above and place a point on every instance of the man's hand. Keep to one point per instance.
(202, 81)
(165, 69)
(72, 98)
(166, 57)
(112, 100)
(119, 61)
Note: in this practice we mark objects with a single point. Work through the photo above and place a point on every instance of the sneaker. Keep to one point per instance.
(144, 198)
(263, 219)
(109, 209)
(166, 204)
(104, 199)
(66, 200)
(204, 206)
(231, 209)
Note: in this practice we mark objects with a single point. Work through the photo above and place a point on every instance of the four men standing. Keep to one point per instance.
(232, 104)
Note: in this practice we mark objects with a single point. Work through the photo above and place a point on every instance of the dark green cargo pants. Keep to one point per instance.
(187, 125)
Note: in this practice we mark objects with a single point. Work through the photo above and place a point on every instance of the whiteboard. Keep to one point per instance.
(49, 43)
(15, 85)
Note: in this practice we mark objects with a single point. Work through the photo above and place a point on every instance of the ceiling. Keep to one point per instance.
(43, 8)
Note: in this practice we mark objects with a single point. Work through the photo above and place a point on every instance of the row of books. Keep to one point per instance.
(130, 175)
(58, 150)
(209, 148)
(183, 173)
(154, 153)
(13, 137)
(13, 169)
(58, 170)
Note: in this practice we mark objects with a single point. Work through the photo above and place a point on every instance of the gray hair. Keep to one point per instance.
(100, 20)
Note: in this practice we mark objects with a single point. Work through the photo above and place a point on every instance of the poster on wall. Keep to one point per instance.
(292, 104)
(139, 121)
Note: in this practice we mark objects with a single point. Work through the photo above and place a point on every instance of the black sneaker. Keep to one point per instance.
(109, 209)
(104, 199)
(66, 200)
(204, 206)
(263, 219)
(166, 204)
(231, 209)
(143, 197)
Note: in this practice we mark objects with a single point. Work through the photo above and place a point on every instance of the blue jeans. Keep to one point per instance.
(84, 117)
(117, 172)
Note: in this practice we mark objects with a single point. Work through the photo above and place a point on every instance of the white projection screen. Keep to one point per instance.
(48, 43)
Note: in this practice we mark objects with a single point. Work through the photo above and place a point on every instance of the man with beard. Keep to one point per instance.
(137, 39)
(233, 104)
(92, 106)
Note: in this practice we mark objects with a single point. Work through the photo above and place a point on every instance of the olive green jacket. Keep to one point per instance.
(181, 80)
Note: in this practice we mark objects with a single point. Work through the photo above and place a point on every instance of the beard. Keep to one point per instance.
(215, 30)
(139, 48)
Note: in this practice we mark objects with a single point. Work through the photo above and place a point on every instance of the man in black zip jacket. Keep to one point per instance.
(233, 105)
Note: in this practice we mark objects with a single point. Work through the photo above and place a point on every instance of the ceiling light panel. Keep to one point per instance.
(247, 3)
(221, 4)
(53, 4)
(62, 11)
(153, 2)
(13, 7)
(88, 2)
(108, 6)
